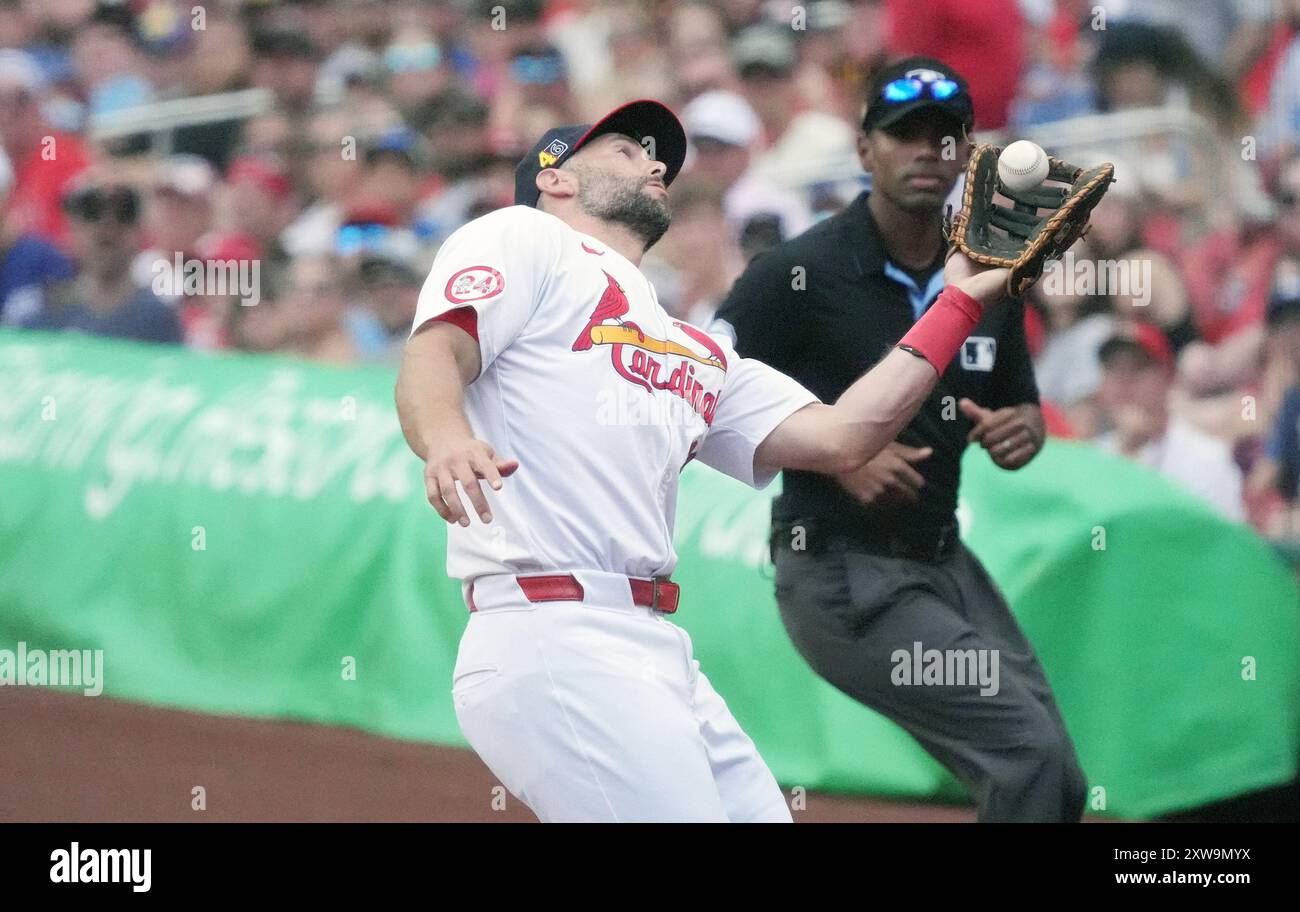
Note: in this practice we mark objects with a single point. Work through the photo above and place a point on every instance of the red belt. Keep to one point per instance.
(658, 593)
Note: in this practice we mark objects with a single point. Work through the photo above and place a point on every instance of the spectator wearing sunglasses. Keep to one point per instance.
(872, 562)
(103, 299)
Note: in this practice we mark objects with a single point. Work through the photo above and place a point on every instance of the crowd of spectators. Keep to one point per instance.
(381, 127)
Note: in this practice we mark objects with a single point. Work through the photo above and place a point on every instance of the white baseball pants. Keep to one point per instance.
(598, 711)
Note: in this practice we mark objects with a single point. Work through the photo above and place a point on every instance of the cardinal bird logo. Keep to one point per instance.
(611, 306)
(668, 365)
(706, 342)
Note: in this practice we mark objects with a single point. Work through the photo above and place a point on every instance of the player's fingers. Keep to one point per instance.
(915, 454)
(504, 467)
(486, 468)
(434, 494)
(455, 509)
(900, 492)
(908, 477)
(469, 483)
(866, 490)
(433, 488)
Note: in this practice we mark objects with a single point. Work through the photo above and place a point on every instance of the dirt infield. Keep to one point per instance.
(69, 758)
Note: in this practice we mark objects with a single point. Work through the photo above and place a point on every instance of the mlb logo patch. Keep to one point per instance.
(979, 352)
(551, 154)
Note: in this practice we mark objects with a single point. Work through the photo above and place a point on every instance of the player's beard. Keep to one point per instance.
(612, 198)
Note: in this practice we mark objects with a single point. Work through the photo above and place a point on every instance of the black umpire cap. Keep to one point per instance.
(637, 119)
(915, 84)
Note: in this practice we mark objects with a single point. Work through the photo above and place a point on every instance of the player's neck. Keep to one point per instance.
(612, 234)
(912, 239)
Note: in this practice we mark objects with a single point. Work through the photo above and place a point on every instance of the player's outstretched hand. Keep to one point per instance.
(988, 286)
(465, 461)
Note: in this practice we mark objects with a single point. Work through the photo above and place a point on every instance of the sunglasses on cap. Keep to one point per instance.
(95, 204)
(910, 88)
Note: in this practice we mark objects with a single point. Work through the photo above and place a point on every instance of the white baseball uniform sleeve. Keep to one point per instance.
(755, 400)
(488, 278)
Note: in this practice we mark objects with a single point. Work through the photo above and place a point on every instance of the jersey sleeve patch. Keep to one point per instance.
(474, 283)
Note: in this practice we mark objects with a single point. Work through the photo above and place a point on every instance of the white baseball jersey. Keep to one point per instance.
(600, 394)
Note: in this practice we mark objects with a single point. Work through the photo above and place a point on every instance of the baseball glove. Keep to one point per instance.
(1023, 237)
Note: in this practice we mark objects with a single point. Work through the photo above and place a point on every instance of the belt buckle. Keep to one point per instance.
(655, 590)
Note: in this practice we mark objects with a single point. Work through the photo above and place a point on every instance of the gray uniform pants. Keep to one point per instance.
(850, 612)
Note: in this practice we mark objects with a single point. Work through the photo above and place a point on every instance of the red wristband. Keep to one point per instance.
(939, 334)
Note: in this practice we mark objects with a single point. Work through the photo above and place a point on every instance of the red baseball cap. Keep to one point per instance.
(267, 175)
(1140, 337)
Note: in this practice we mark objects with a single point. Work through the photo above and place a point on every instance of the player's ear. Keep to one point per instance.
(554, 182)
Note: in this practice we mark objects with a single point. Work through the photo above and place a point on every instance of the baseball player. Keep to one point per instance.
(570, 682)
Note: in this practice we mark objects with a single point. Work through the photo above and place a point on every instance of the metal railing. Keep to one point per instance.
(160, 120)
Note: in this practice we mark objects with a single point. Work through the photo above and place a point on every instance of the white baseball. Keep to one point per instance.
(1022, 165)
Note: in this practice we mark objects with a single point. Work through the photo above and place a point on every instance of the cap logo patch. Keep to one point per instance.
(924, 75)
(551, 154)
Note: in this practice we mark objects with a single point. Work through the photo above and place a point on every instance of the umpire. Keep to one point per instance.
(871, 563)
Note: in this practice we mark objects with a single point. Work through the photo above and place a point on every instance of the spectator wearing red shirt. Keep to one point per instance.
(982, 38)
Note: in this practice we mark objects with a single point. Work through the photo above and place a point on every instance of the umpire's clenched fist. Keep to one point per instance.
(466, 461)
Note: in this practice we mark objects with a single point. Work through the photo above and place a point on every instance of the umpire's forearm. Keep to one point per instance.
(430, 393)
